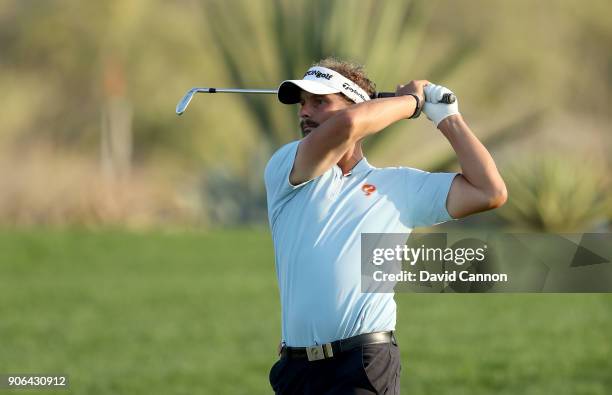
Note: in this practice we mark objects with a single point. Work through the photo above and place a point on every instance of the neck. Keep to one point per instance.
(350, 158)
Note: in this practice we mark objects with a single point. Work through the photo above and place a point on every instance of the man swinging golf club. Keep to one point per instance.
(322, 194)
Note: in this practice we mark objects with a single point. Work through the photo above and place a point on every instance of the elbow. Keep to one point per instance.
(498, 196)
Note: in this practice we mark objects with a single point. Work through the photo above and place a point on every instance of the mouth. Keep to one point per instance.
(307, 126)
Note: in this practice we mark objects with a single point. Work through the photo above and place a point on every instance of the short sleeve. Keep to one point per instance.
(427, 197)
(276, 177)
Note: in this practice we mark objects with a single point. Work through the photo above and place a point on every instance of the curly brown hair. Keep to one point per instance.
(351, 70)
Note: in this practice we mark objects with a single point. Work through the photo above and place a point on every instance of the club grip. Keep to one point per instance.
(447, 98)
(385, 94)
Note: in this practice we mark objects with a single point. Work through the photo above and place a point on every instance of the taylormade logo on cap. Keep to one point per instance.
(355, 91)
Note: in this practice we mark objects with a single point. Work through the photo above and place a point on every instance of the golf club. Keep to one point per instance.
(448, 98)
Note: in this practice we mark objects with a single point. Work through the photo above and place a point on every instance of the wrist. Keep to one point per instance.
(418, 106)
(451, 122)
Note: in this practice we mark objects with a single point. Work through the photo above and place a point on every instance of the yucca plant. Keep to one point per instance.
(264, 42)
(556, 194)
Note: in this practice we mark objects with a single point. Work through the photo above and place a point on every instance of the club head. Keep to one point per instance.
(182, 105)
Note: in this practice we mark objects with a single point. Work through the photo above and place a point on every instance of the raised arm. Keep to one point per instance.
(479, 187)
(333, 126)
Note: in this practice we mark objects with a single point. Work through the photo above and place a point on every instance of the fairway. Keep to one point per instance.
(198, 313)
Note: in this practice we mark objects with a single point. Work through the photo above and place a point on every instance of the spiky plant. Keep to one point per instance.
(556, 194)
(262, 43)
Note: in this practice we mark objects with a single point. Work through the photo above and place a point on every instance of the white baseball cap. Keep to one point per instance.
(320, 81)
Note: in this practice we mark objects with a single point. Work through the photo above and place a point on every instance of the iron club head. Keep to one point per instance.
(182, 105)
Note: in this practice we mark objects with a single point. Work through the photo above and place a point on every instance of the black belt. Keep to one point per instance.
(328, 350)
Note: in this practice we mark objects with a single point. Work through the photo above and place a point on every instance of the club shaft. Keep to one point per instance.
(182, 105)
(232, 90)
(448, 98)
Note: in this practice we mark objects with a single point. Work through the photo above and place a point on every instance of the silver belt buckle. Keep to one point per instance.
(316, 353)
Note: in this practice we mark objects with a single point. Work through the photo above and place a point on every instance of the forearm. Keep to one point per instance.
(477, 165)
(373, 116)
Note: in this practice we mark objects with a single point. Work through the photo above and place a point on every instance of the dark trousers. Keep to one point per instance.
(369, 369)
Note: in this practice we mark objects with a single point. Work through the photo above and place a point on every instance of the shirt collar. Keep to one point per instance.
(362, 166)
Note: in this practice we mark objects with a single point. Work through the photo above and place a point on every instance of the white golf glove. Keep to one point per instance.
(434, 110)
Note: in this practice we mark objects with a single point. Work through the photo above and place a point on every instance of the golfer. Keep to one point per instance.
(322, 194)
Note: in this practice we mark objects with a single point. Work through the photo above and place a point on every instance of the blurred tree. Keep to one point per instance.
(116, 127)
(124, 22)
(50, 49)
(75, 71)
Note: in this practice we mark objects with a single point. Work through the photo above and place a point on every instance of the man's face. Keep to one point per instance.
(316, 109)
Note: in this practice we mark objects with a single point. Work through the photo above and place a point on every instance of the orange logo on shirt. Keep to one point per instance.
(368, 189)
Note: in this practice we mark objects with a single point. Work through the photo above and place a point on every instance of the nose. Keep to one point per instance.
(304, 111)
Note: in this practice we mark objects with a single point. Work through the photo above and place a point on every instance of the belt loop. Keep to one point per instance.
(328, 351)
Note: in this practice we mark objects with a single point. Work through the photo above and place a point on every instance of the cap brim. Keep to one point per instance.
(289, 91)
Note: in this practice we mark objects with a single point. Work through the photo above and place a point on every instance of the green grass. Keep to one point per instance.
(189, 312)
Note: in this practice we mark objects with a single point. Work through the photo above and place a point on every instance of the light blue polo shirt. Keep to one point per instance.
(316, 229)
